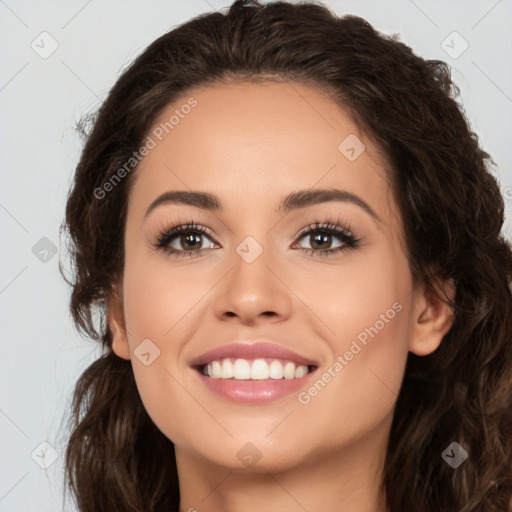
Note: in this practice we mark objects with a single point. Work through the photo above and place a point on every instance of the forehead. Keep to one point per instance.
(255, 142)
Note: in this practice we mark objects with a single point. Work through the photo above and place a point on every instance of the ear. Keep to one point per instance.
(116, 323)
(432, 319)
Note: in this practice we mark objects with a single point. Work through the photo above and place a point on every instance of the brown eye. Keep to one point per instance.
(321, 241)
(191, 241)
(184, 240)
(322, 237)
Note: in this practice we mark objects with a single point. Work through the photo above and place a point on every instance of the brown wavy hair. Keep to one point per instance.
(452, 212)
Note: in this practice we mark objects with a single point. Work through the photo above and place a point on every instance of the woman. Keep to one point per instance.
(287, 239)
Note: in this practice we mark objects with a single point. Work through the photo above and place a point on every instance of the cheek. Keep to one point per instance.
(160, 297)
(161, 305)
(367, 311)
(364, 301)
(355, 394)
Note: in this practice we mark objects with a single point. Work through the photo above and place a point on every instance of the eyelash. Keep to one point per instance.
(328, 227)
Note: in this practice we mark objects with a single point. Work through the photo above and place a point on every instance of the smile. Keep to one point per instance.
(253, 373)
(254, 391)
(255, 369)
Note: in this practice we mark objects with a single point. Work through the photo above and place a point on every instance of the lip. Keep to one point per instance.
(253, 391)
(244, 350)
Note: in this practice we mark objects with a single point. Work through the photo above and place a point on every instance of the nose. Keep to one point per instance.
(254, 291)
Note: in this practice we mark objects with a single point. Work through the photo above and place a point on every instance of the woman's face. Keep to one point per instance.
(341, 302)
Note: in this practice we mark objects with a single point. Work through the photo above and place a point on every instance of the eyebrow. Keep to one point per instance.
(294, 201)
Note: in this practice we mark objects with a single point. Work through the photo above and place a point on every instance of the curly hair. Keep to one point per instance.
(452, 214)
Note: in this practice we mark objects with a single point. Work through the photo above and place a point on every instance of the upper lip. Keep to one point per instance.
(245, 350)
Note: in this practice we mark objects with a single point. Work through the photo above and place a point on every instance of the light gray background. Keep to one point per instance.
(40, 100)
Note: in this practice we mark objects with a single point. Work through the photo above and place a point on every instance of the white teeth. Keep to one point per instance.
(289, 370)
(216, 370)
(300, 371)
(276, 370)
(227, 369)
(258, 369)
(242, 370)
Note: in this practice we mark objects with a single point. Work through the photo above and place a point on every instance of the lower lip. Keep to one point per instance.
(254, 391)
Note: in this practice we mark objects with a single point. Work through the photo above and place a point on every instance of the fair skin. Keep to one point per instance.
(251, 145)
